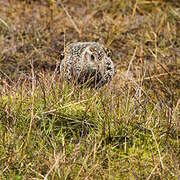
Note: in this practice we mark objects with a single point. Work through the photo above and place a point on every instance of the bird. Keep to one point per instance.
(87, 64)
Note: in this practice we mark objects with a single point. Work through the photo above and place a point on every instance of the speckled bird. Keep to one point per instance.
(87, 63)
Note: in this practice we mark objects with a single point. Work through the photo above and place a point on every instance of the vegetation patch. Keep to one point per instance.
(128, 129)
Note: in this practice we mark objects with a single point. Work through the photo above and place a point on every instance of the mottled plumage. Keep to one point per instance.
(87, 63)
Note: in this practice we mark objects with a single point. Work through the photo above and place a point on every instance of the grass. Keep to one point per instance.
(128, 129)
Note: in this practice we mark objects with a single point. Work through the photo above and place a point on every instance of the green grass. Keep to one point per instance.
(128, 129)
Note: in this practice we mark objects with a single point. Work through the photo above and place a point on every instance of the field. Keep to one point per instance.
(128, 129)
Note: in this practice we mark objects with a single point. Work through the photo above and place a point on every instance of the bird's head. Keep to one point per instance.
(90, 58)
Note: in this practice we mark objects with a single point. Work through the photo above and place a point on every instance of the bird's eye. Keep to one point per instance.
(92, 57)
(108, 52)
